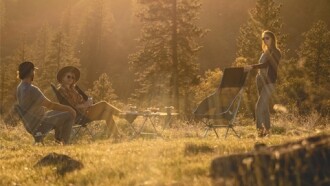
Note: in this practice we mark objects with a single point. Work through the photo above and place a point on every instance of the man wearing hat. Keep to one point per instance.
(33, 102)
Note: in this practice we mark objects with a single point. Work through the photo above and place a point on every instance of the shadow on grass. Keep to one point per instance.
(194, 149)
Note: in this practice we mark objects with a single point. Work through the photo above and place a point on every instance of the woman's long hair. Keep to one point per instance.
(273, 43)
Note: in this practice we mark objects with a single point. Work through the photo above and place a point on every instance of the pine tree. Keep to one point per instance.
(102, 90)
(23, 53)
(315, 54)
(315, 50)
(60, 54)
(265, 16)
(94, 40)
(40, 53)
(165, 65)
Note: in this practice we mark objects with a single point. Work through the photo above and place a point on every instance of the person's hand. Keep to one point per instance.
(83, 105)
(88, 103)
(247, 68)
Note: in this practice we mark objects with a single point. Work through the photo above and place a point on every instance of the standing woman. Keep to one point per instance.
(266, 79)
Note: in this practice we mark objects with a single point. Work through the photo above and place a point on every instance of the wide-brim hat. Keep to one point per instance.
(67, 69)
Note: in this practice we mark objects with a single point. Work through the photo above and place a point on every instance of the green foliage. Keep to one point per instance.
(208, 84)
(315, 51)
(165, 64)
(265, 16)
(306, 81)
(95, 39)
(60, 54)
(9, 73)
(102, 90)
(40, 52)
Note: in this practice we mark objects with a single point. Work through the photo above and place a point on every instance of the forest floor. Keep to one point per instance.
(181, 157)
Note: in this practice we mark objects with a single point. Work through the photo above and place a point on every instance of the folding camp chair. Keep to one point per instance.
(219, 110)
(81, 119)
(37, 136)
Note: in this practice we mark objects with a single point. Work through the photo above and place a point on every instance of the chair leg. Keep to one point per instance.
(131, 125)
(227, 131)
(206, 131)
(237, 135)
(215, 131)
(232, 128)
(155, 129)
(139, 131)
(76, 133)
(89, 132)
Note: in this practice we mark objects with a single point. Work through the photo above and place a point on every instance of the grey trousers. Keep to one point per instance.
(262, 107)
(60, 121)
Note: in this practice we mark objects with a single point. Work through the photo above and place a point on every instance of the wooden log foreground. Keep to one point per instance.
(302, 163)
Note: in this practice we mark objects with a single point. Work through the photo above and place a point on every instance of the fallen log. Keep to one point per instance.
(304, 163)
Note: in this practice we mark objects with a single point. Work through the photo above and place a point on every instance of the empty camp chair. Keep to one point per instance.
(81, 119)
(219, 110)
(37, 136)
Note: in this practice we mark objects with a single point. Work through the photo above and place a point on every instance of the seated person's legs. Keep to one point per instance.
(104, 111)
(60, 121)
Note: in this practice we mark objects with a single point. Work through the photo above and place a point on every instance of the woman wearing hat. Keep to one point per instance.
(67, 77)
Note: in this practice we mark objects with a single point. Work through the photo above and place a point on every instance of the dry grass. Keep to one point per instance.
(180, 158)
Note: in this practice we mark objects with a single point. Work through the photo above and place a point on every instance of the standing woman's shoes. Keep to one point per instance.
(266, 133)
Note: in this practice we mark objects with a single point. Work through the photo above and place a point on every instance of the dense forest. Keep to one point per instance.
(109, 39)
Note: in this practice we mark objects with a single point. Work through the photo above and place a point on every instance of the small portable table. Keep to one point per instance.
(151, 117)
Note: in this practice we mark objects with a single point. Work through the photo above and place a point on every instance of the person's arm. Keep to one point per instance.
(64, 93)
(56, 106)
(41, 100)
(263, 63)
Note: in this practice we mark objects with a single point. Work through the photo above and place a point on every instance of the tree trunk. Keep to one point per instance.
(175, 71)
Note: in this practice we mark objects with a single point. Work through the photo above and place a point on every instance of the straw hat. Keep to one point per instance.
(67, 69)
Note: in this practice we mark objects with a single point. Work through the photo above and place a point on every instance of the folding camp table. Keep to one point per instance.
(219, 110)
(149, 117)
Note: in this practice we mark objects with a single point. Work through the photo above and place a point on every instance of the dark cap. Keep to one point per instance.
(25, 68)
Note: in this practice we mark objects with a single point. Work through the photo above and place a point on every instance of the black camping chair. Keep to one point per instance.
(81, 119)
(219, 110)
(37, 136)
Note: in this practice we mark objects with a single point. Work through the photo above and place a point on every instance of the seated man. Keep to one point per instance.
(32, 102)
(67, 77)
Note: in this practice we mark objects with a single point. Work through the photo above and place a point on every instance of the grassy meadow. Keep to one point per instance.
(181, 157)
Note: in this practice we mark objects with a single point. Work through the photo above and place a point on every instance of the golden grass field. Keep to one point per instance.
(180, 158)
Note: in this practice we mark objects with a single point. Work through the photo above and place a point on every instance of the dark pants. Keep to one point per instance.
(60, 121)
(262, 107)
